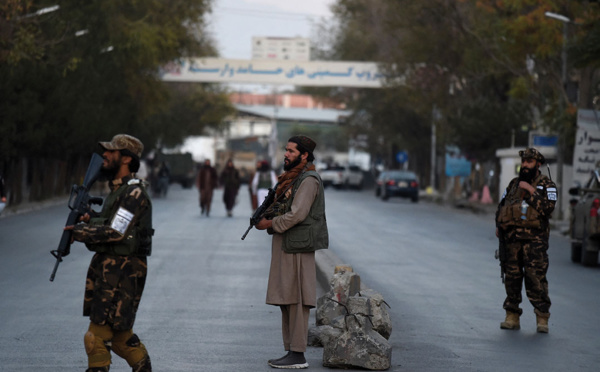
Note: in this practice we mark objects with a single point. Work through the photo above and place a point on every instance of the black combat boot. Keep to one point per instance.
(143, 365)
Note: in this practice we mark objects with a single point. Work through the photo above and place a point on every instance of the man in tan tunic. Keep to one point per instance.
(299, 227)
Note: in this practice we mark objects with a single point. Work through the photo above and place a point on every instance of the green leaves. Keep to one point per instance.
(481, 63)
(88, 70)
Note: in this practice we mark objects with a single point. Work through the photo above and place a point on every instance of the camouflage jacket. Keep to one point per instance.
(524, 216)
(115, 283)
(124, 223)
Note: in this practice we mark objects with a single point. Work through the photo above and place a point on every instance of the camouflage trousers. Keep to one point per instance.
(113, 290)
(527, 261)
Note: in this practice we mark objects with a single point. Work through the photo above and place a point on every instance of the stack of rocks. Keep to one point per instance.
(353, 325)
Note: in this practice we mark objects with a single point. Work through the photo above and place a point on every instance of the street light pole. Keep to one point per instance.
(562, 105)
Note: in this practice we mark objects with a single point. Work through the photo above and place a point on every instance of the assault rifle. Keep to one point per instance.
(501, 253)
(79, 203)
(260, 211)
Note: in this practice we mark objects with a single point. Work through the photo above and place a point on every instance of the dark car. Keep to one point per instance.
(400, 183)
(585, 222)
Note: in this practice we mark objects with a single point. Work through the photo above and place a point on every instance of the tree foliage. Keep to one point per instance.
(491, 68)
(76, 72)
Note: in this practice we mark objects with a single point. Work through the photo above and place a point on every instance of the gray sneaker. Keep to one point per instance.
(294, 360)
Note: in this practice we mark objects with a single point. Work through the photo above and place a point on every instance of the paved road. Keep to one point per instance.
(434, 266)
(203, 308)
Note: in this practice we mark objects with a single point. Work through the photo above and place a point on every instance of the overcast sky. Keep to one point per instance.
(233, 23)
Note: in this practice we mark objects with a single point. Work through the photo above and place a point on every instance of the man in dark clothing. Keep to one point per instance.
(522, 223)
(230, 179)
(206, 182)
(2, 193)
(121, 236)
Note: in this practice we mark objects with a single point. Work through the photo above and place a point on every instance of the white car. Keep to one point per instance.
(340, 176)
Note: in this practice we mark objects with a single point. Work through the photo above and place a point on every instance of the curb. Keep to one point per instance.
(34, 206)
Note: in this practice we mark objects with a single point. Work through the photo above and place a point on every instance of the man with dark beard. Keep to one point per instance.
(121, 237)
(522, 224)
(299, 227)
(206, 182)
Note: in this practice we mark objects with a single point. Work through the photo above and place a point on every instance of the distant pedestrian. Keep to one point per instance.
(230, 180)
(264, 179)
(121, 237)
(206, 182)
(163, 177)
(299, 227)
(253, 197)
(523, 227)
(2, 193)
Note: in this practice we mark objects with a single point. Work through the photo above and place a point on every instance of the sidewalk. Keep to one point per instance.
(558, 226)
(34, 206)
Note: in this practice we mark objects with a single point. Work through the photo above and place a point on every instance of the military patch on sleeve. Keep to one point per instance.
(121, 220)
(552, 194)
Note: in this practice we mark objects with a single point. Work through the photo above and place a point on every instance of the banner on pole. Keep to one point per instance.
(304, 73)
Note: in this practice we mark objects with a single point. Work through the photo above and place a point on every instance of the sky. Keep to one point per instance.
(233, 23)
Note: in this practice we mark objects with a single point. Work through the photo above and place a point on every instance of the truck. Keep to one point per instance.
(182, 168)
(342, 176)
(585, 221)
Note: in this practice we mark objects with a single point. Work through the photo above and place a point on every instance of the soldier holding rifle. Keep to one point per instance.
(121, 237)
(297, 222)
(522, 224)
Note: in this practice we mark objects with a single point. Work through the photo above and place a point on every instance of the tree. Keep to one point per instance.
(77, 72)
(490, 67)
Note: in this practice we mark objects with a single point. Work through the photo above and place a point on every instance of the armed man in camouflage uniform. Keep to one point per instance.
(121, 236)
(522, 224)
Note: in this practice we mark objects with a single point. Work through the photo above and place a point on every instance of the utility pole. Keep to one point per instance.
(434, 118)
(562, 105)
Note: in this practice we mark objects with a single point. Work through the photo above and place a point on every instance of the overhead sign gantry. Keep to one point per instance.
(301, 73)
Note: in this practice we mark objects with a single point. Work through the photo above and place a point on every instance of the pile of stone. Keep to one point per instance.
(352, 325)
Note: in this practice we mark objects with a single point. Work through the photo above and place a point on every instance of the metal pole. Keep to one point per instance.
(562, 108)
(434, 116)
(561, 135)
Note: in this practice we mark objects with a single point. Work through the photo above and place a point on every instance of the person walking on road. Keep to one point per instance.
(522, 224)
(263, 180)
(121, 237)
(2, 193)
(206, 182)
(299, 227)
(253, 197)
(230, 179)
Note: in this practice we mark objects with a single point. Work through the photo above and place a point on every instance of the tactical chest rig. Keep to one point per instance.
(515, 211)
(138, 241)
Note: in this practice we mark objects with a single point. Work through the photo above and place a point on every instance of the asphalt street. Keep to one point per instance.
(203, 308)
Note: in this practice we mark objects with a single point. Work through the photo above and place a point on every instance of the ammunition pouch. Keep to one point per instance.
(510, 215)
(137, 243)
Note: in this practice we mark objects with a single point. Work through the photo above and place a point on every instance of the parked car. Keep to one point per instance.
(585, 224)
(400, 183)
(340, 176)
